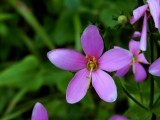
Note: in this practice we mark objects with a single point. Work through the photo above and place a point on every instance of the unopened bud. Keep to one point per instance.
(122, 19)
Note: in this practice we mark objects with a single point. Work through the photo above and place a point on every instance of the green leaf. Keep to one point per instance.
(19, 73)
(57, 108)
(3, 29)
(138, 113)
(72, 4)
(156, 107)
(106, 18)
(25, 12)
(5, 16)
(63, 32)
(59, 78)
(88, 101)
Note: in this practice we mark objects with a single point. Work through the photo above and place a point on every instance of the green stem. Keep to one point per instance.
(132, 98)
(151, 92)
(152, 58)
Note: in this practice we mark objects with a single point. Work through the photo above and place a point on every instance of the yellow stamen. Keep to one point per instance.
(91, 65)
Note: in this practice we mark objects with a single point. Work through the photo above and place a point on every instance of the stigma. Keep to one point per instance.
(91, 65)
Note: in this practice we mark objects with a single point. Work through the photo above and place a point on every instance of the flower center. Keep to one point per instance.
(92, 63)
(133, 59)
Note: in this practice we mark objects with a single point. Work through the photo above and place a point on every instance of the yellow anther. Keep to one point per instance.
(92, 63)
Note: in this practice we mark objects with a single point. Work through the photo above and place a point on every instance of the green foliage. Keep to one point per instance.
(137, 113)
(30, 28)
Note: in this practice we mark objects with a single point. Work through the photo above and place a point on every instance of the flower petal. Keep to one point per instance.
(78, 86)
(92, 42)
(139, 72)
(104, 86)
(118, 117)
(143, 40)
(137, 13)
(134, 47)
(122, 71)
(154, 6)
(154, 69)
(67, 59)
(141, 58)
(115, 59)
(136, 34)
(39, 112)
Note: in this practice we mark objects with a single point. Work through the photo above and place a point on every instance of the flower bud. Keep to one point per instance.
(122, 19)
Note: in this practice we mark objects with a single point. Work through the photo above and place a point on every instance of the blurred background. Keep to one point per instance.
(31, 28)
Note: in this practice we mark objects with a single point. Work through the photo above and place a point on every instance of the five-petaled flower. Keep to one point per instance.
(154, 68)
(39, 112)
(90, 66)
(154, 7)
(137, 58)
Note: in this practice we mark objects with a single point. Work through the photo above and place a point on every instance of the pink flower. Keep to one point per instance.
(136, 60)
(39, 112)
(90, 66)
(154, 8)
(154, 68)
(118, 117)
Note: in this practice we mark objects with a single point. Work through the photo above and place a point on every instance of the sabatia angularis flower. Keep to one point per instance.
(154, 7)
(136, 60)
(90, 66)
(39, 112)
(154, 68)
(118, 117)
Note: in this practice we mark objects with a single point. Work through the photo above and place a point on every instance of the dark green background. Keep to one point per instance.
(31, 28)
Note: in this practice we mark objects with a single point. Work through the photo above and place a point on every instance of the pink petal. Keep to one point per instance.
(78, 86)
(115, 59)
(141, 58)
(143, 40)
(118, 117)
(139, 72)
(154, 69)
(92, 42)
(104, 86)
(39, 112)
(136, 34)
(154, 6)
(134, 47)
(67, 59)
(137, 13)
(121, 72)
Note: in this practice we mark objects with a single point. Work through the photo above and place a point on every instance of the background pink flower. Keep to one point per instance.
(39, 112)
(136, 60)
(118, 117)
(153, 6)
(154, 68)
